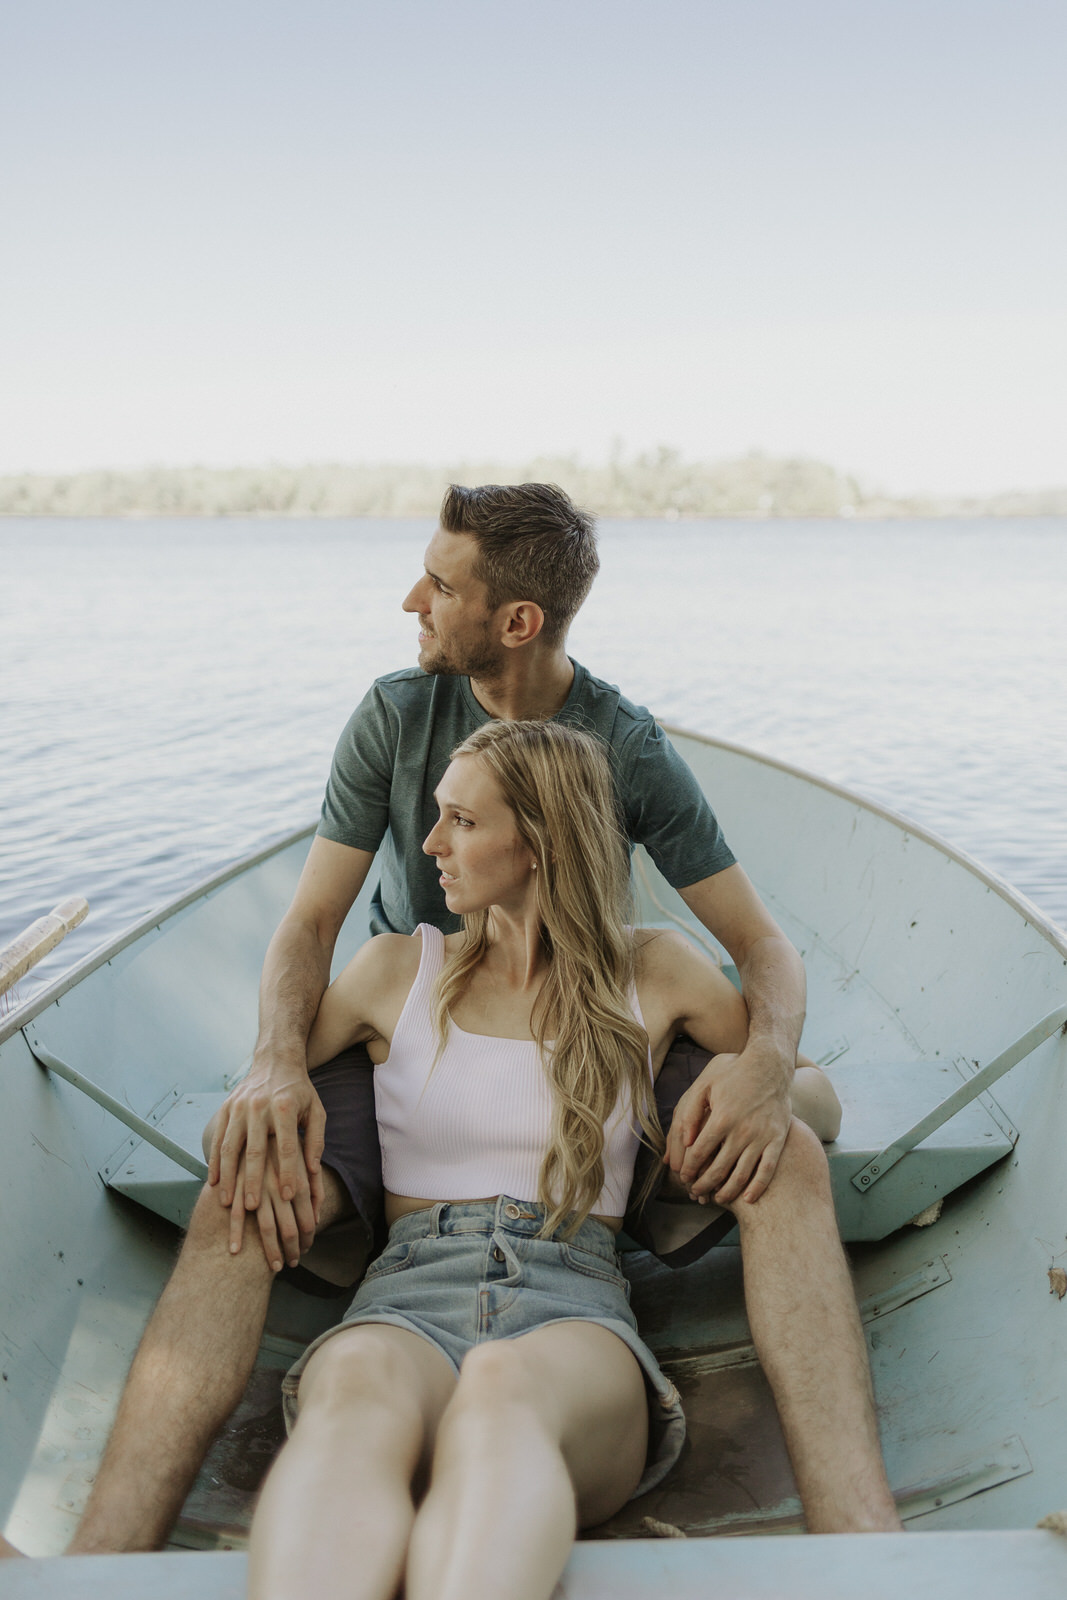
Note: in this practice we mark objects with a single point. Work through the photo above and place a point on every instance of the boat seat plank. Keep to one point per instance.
(952, 1566)
(145, 1174)
(878, 1101)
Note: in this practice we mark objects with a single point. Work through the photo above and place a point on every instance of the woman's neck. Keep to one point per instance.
(515, 956)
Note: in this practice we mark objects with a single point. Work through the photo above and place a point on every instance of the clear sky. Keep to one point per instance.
(237, 231)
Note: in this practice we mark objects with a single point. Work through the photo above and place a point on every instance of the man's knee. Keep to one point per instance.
(803, 1159)
(800, 1187)
(208, 1236)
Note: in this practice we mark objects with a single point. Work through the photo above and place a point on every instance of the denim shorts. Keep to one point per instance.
(460, 1274)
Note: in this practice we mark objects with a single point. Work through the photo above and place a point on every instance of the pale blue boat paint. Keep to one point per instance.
(920, 965)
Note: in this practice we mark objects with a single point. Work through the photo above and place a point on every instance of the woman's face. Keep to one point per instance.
(482, 860)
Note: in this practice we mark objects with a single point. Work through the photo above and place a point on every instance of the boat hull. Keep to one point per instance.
(913, 954)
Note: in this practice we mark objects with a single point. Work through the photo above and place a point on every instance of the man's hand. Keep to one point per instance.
(283, 1238)
(265, 1113)
(729, 1127)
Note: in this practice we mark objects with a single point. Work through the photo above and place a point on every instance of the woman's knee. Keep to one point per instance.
(494, 1377)
(352, 1365)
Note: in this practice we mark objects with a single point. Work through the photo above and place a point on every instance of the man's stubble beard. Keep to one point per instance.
(481, 661)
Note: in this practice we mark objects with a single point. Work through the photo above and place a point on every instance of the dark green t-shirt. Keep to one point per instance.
(398, 742)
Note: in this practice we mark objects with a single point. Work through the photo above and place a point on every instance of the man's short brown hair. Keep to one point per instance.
(533, 544)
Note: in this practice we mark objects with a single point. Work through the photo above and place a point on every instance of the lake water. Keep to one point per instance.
(170, 691)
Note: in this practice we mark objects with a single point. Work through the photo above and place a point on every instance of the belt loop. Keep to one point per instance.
(436, 1215)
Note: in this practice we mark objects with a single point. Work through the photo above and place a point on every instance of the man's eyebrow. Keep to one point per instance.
(439, 580)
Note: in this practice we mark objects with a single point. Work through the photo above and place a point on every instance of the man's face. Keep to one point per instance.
(456, 632)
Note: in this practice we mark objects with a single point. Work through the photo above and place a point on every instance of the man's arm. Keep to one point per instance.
(276, 1098)
(735, 1119)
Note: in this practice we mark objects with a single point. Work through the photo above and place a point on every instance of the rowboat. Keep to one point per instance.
(937, 1003)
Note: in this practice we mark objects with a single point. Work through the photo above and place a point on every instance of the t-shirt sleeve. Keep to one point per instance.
(355, 808)
(667, 812)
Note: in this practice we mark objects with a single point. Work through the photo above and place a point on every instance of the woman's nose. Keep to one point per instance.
(428, 844)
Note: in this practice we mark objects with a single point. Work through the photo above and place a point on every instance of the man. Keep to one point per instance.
(505, 572)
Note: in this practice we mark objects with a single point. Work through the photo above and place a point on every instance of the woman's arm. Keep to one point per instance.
(681, 981)
(365, 1001)
(682, 991)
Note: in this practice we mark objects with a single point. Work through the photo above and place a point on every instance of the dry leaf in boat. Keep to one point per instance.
(1057, 1281)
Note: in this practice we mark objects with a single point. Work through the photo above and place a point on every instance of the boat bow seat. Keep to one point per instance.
(881, 1101)
(145, 1174)
(911, 1133)
(878, 1102)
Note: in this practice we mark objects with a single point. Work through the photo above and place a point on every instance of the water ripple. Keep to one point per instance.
(185, 701)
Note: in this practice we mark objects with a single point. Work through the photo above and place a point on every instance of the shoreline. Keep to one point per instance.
(661, 484)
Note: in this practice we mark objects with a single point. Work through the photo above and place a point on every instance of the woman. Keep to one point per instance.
(488, 1391)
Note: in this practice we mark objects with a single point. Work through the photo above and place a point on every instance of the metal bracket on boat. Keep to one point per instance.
(144, 1129)
(865, 1179)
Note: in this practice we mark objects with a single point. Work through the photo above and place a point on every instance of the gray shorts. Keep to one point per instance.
(460, 1274)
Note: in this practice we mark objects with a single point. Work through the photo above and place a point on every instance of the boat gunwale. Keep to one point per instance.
(1030, 913)
(22, 1014)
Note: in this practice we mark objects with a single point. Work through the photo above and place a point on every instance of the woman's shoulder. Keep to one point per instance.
(387, 958)
(669, 962)
(660, 949)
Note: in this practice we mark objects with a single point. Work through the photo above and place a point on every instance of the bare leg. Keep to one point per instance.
(335, 1514)
(544, 1432)
(189, 1372)
(808, 1335)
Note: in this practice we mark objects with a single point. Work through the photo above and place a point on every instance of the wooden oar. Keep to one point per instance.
(39, 938)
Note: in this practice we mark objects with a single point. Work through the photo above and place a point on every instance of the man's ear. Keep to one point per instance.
(522, 621)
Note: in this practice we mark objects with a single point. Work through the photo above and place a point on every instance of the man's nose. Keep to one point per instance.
(415, 599)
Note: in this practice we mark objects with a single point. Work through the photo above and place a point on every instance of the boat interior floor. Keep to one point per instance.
(733, 1476)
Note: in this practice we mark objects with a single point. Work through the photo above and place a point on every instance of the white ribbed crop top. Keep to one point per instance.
(478, 1123)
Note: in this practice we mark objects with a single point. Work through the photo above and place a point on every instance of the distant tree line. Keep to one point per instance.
(653, 484)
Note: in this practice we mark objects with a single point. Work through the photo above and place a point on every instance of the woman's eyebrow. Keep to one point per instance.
(444, 801)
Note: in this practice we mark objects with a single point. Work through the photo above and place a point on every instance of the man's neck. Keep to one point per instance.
(528, 686)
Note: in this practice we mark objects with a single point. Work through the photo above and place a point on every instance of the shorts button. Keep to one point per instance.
(498, 1254)
(512, 1211)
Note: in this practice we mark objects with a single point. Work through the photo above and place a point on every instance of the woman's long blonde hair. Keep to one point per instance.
(557, 782)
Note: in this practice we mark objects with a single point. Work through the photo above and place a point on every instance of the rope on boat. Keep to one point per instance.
(661, 1530)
